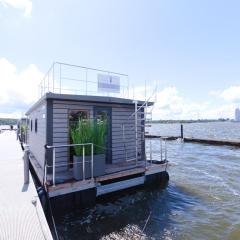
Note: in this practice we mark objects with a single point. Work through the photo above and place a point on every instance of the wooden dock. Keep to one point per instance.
(170, 138)
(21, 213)
(226, 142)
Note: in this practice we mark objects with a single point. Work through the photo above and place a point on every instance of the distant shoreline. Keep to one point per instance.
(8, 121)
(193, 121)
(12, 121)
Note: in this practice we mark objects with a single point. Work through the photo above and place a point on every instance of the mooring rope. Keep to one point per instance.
(147, 221)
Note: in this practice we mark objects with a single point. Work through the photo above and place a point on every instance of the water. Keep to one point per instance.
(7, 127)
(218, 130)
(4, 127)
(200, 202)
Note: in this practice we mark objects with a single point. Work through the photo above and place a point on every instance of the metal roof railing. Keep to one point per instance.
(64, 78)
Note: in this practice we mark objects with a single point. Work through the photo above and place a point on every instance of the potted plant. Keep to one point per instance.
(23, 132)
(99, 140)
(88, 131)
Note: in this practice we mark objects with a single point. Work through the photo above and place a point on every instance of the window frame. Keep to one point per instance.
(36, 125)
(88, 114)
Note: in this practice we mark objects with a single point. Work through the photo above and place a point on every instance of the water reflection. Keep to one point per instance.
(200, 202)
(127, 214)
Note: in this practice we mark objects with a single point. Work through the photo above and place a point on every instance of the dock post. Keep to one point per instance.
(26, 166)
(181, 131)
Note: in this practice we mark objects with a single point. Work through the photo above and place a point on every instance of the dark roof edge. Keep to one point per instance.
(85, 98)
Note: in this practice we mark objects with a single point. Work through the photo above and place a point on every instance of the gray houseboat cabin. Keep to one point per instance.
(85, 136)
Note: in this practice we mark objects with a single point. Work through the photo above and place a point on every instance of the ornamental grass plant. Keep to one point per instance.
(89, 131)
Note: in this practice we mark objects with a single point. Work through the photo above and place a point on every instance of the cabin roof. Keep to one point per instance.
(85, 98)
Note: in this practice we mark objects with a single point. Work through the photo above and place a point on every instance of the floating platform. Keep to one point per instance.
(21, 213)
(162, 137)
(226, 142)
(84, 193)
(235, 143)
(118, 180)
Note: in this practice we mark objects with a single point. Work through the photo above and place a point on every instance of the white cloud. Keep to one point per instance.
(171, 105)
(214, 93)
(25, 5)
(231, 94)
(19, 89)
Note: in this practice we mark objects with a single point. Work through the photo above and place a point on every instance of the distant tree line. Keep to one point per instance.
(193, 121)
(8, 121)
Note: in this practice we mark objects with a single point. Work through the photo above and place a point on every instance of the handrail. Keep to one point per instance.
(93, 69)
(67, 145)
(53, 79)
(54, 159)
(153, 154)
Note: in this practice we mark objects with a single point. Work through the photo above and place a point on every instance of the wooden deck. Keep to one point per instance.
(115, 172)
(21, 213)
(120, 174)
(67, 176)
(75, 186)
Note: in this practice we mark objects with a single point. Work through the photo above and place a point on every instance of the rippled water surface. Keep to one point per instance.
(222, 130)
(202, 200)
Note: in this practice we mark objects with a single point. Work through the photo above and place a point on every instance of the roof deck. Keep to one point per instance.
(64, 78)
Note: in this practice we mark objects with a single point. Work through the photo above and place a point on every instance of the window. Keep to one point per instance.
(75, 115)
(36, 125)
(31, 125)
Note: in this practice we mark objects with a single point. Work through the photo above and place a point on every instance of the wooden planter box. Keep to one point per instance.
(98, 166)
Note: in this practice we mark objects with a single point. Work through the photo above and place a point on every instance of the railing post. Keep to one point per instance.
(41, 90)
(60, 73)
(128, 87)
(83, 162)
(48, 81)
(54, 163)
(44, 86)
(45, 174)
(26, 166)
(53, 76)
(136, 128)
(161, 148)
(181, 131)
(86, 81)
(165, 149)
(92, 160)
(151, 151)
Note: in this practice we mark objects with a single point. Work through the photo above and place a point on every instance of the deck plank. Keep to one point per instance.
(19, 217)
(136, 170)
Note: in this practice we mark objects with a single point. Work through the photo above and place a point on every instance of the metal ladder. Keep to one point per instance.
(148, 124)
(140, 116)
(143, 119)
(148, 112)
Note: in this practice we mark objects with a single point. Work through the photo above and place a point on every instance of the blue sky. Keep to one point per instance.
(191, 48)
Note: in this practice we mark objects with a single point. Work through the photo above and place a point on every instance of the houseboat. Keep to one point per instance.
(86, 136)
